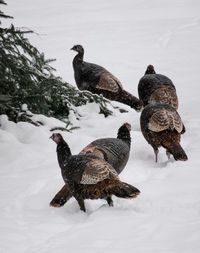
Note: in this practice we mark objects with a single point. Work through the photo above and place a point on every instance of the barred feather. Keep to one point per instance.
(163, 119)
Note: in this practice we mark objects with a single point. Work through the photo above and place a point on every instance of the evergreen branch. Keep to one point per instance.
(4, 16)
(26, 77)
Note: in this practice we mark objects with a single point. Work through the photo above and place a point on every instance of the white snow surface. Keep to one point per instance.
(124, 36)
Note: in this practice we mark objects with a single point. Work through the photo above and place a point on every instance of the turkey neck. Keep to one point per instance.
(124, 135)
(63, 153)
(78, 59)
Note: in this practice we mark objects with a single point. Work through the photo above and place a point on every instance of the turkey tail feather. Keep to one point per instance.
(178, 153)
(124, 190)
(128, 99)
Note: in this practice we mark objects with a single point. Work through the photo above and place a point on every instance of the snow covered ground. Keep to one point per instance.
(124, 36)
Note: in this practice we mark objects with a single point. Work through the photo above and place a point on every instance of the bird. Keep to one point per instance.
(157, 88)
(161, 126)
(98, 80)
(115, 151)
(90, 177)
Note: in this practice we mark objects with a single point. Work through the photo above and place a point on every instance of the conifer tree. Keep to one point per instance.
(26, 77)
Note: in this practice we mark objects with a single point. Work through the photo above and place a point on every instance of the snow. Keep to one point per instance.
(123, 36)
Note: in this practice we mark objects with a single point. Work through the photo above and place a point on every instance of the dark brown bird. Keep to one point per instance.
(98, 80)
(161, 125)
(90, 177)
(156, 88)
(113, 150)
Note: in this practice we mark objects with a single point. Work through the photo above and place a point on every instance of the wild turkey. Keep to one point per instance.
(90, 177)
(156, 88)
(161, 125)
(113, 150)
(98, 80)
